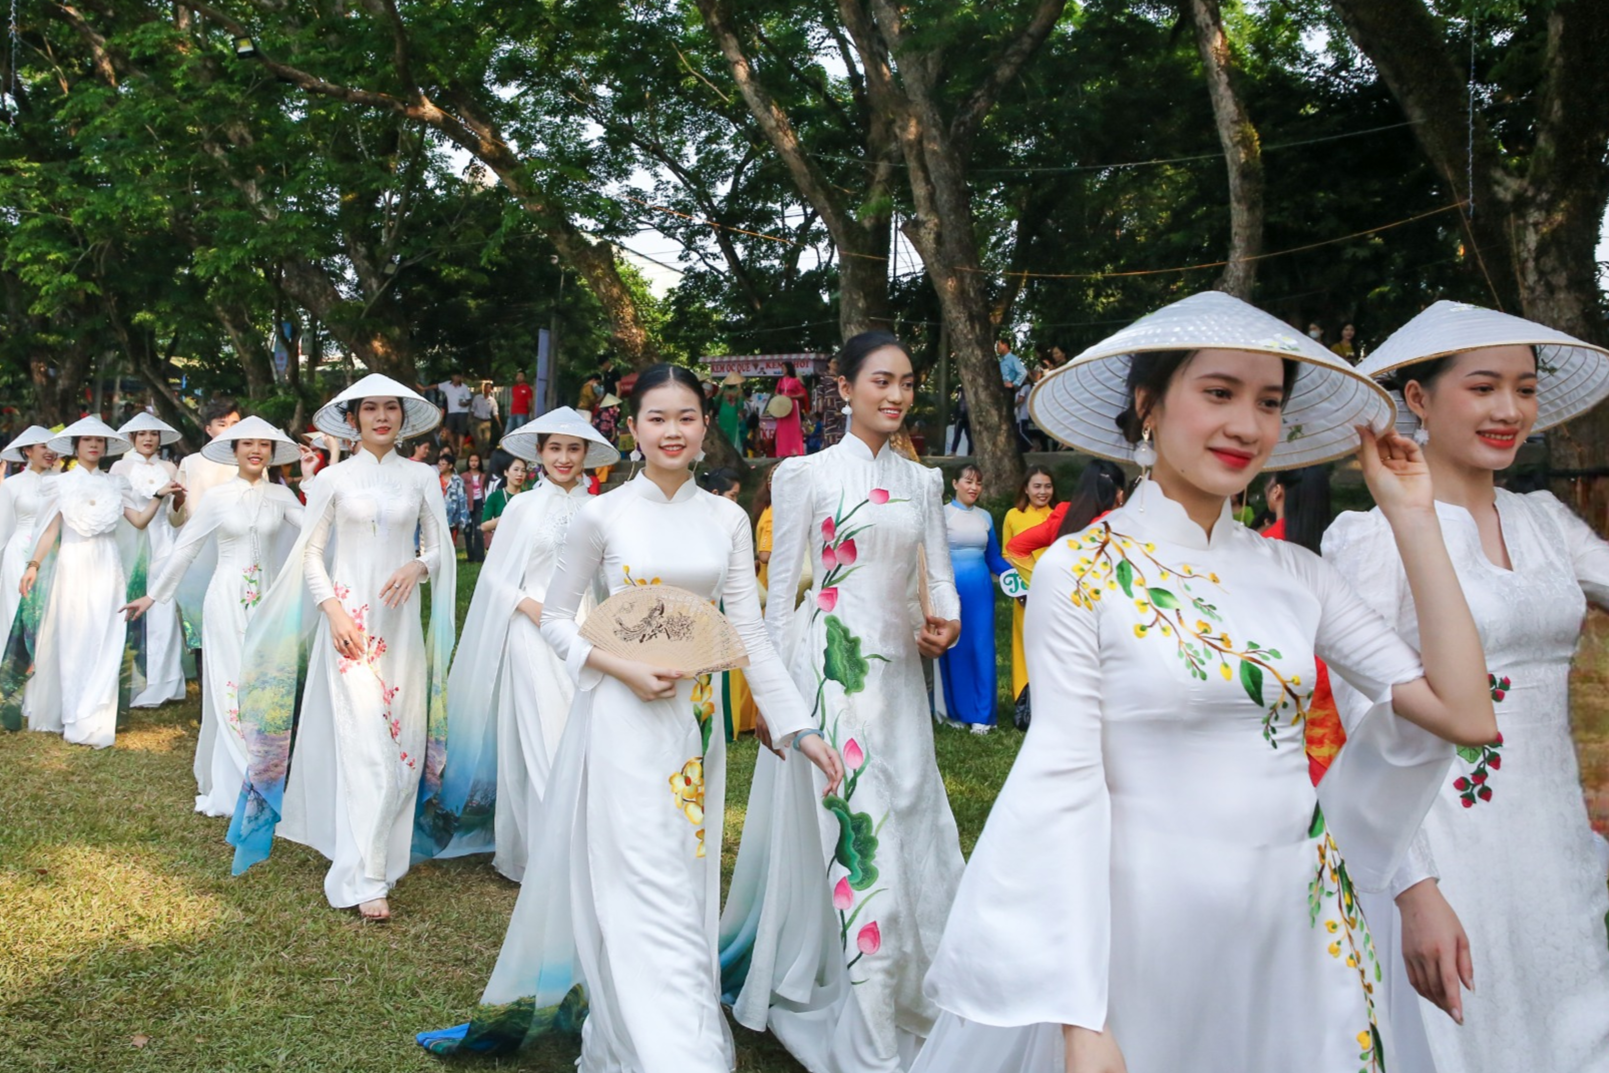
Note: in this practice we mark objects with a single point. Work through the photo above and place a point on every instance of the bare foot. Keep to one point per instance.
(375, 911)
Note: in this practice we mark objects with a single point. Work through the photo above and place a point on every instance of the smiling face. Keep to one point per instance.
(1040, 489)
(669, 428)
(253, 457)
(1218, 421)
(1479, 408)
(89, 450)
(40, 457)
(378, 421)
(147, 442)
(563, 459)
(515, 474)
(968, 487)
(881, 392)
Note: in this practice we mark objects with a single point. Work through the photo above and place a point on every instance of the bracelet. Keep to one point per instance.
(33, 563)
(803, 734)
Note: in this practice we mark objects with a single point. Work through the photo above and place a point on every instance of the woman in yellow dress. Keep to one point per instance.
(1033, 507)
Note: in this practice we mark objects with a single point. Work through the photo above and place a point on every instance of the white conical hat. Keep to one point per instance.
(1079, 403)
(564, 421)
(144, 422)
(222, 447)
(1572, 376)
(31, 436)
(419, 414)
(116, 442)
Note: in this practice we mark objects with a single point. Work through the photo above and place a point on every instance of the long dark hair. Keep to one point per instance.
(1307, 504)
(762, 498)
(1096, 494)
(1022, 489)
(850, 359)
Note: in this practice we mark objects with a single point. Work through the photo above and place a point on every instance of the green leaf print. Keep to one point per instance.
(1251, 679)
(843, 662)
(1125, 577)
(857, 842)
(1163, 599)
(1468, 754)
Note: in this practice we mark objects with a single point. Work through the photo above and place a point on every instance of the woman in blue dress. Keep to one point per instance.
(966, 695)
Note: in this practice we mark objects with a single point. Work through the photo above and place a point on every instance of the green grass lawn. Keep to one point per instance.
(128, 946)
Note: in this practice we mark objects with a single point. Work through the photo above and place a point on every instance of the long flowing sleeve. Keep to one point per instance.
(579, 562)
(790, 535)
(8, 509)
(936, 544)
(779, 700)
(991, 552)
(1588, 552)
(315, 571)
(1029, 937)
(430, 536)
(192, 538)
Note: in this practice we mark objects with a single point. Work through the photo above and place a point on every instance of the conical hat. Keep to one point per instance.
(419, 414)
(116, 444)
(666, 627)
(1572, 376)
(563, 421)
(30, 437)
(1079, 403)
(143, 422)
(222, 447)
(733, 379)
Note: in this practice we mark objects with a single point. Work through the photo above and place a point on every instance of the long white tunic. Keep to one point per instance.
(199, 475)
(1508, 833)
(503, 662)
(79, 660)
(164, 635)
(243, 522)
(355, 766)
(1151, 865)
(890, 856)
(21, 499)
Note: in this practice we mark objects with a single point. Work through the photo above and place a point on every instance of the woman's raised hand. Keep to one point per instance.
(133, 610)
(1395, 470)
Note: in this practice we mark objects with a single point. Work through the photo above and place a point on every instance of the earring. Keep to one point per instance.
(1144, 453)
(1421, 435)
(699, 457)
(636, 454)
(846, 410)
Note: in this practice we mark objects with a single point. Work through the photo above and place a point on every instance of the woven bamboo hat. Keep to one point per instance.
(116, 442)
(31, 436)
(1572, 375)
(419, 414)
(779, 407)
(143, 422)
(733, 379)
(1079, 403)
(563, 421)
(222, 447)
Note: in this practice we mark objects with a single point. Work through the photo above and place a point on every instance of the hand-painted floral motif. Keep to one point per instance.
(1115, 561)
(251, 586)
(232, 713)
(1475, 784)
(1333, 887)
(374, 646)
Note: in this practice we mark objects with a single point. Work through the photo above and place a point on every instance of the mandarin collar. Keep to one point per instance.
(578, 491)
(1151, 510)
(651, 492)
(363, 455)
(854, 445)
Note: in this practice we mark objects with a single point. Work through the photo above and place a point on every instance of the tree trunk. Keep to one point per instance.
(380, 348)
(1242, 150)
(255, 358)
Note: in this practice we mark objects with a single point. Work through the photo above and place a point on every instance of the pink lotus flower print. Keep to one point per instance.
(854, 755)
(827, 599)
(829, 529)
(842, 896)
(846, 553)
(870, 939)
(829, 557)
(877, 496)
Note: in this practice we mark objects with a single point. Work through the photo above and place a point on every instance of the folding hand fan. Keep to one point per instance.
(667, 627)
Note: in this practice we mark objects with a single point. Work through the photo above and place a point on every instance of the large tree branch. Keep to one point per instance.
(1243, 153)
(1003, 71)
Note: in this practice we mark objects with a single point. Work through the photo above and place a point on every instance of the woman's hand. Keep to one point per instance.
(1091, 1052)
(396, 591)
(172, 488)
(344, 633)
(132, 611)
(29, 576)
(825, 757)
(762, 734)
(531, 610)
(1435, 947)
(310, 460)
(1395, 470)
(937, 636)
(647, 681)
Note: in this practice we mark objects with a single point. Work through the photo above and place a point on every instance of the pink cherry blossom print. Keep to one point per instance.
(847, 553)
(827, 599)
(870, 939)
(842, 896)
(877, 496)
(854, 755)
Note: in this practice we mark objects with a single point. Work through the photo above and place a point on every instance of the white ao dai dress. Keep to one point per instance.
(21, 498)
(1508, 833)
(244, 521)
(79, 660)
(887, 851)
(360, 745)
(1152, 865)
(164, 635)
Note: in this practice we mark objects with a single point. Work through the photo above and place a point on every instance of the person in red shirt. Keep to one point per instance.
(519, 403)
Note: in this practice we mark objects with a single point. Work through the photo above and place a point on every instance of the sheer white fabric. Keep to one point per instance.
(21, 499)
(354, 769)
(1518, 862)
(164, 635)
(1152, 865)
(244, 524)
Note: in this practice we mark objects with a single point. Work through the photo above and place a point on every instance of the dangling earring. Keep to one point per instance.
(1421, 435)
(846, 410)
(1145, 458)
(698, 457)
